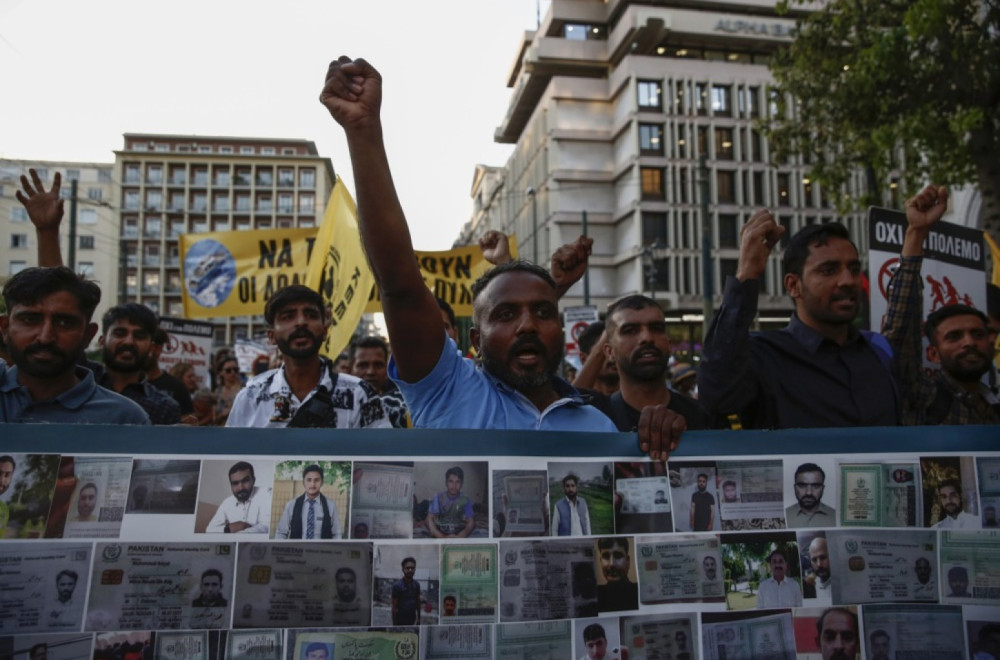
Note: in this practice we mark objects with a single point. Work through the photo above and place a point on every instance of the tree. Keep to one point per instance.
(906, 89)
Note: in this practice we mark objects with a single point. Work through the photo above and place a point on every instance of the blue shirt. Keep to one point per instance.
(458, 395)
(84, 403)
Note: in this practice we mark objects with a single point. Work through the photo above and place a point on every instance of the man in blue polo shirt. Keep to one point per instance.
(517, 330)
(46, 329)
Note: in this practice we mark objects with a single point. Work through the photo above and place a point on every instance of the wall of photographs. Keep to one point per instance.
(187, 545)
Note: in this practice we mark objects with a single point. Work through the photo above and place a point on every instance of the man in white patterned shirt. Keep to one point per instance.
(305, 391)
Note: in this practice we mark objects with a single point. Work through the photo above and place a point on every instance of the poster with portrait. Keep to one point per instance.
(43, 587)
(26, 495)
(382, 501)
(90, 497)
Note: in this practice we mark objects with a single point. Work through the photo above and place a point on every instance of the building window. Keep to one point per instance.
(682, 185)
(85, 268)
(150, 282)
(220, 202)
(200, 176)
(758, 189)
(286, 177)
(72, 174)
(140, 146)
(701, 98)
(784, 187)
(702, 141)
(104, 176)
(247, 151)
(724, 144)
(225, 149)
(807, 191)
(86, 242)
(307, 203)
(284, 202)
(131, 173)
(88, 217)
(729, 231)
(654, 228)
(163, 148)
(287, 151)
(267, 151)
(307, 178)
(222, 177)
(131, 201)
(652, 182)
(199, 201)
(18, 214)
(243, 202)
(204, 148)
(19, 240)
(154, 200)
(651, 139)
(154, 174)
(16, 267)
(95, 194)
(649, 94)
(265, 177)
(722, 100)
(153, 226)
(130, 228)
(725, 181)
(243, 177)
(178, 175)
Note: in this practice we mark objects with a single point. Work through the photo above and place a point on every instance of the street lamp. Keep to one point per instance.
(534, 223)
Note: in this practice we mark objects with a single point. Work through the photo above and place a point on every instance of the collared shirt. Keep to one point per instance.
(903, 328)
(773, 594)
(285, 522)
(268, 402)
(160, 406)
(84, 403)
(821, 516)
(576, 521)
(458, 395)
(963, 520)
(395, 406)
(793, 377)
(256, 511)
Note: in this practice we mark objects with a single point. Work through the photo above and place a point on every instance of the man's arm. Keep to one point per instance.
(218, 522)
(569, 263)
(691, 521)
(353, 95)
(45, 210)
(470, 521)
(587, 376)
(726, 383)
(432, 527)
(285, 522)
(395, 607)
(334, 518)
(711, 518)
(554, 525)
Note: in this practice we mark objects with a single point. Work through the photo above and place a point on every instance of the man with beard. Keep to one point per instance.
(305, 391)
(570, 515)
(949, 494)
(837, 634)
(618, 592)
(958, 334)
(164, 381)
(879, 645)
(348, 609)
(64, 608)
(211, 590)
(924, 588)
(817, 585)
(517, 332)
(127, 342)
(247, 510)
(86, 502)
(818, 371)
(640, 348)
(597, 372)
(369, 359)
(46, 329)
(779, 590)
(809, 511)
(702, 517)
(710, 568)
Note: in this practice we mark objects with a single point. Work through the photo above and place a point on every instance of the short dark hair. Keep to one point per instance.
(239, 467)
(843, 610)
(451, 598)
(407, 560)
(954, 483)
(160, 336)
(514, 266)
(293, 293)
(778, 552)
(935, 318)
(345, 569)
(634, 302)
(6, 458)
(318, 646)
(447, 309)
(799, 245)
(609, 542)
(31, 285)
(729, 482)
(571, 477)
(37, 647)
(68, 573)
(589, 336)
(89, 484)
(210, 572)
(132, 312)
(810, 467)
(702, 475)
(371, 341)
(313, 468)
(957, 572)
(457, 471)
(876, 634)
(594, 632)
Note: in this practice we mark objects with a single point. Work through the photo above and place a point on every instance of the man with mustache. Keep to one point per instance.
(818, 585)
(837, 634)
(46, 329)
(247, 510)
(127, 342)
(809, 511)
(517, 333)
(819, 370)
(306, 391)
(640, 348)
(959, 336)
(949, 495)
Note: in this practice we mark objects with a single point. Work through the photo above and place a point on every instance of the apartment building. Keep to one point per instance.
(176, 184)
(94, 251)
(619, 111)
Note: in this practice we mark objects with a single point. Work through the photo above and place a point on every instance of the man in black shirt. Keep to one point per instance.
(639, 346)
(163, 381)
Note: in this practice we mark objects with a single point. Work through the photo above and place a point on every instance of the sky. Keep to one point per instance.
(77, 75)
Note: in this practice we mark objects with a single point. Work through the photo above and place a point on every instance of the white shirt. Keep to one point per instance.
(962, 521)
(268, 402)
(256, 511)
(575, 526)
(779, 594)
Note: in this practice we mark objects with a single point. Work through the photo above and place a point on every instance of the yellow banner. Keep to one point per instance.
(995, 249)
(449, 274)
(340, 270)
(233, 273)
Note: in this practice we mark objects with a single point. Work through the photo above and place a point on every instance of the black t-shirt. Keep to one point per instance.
(626, 418)
(175, 388)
